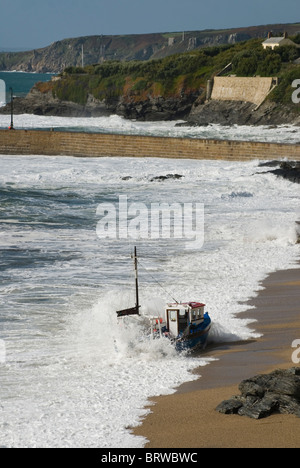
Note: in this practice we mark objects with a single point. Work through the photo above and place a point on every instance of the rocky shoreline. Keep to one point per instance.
(242, 113)
(189, 107)
(150, 109)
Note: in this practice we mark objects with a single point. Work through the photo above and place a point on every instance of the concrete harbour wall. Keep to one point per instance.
(48, 143)
(231, 88)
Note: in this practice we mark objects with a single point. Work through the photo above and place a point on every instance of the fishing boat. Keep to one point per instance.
(184, 323)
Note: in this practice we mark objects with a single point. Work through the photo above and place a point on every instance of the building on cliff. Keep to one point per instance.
(273, 42)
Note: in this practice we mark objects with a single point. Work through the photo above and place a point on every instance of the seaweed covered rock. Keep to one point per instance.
(265, 394)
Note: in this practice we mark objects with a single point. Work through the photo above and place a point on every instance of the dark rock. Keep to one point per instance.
(289, 405)
(241, 113)
(156, 108)
(285, 385)
(251, 388)
(230, 406)
(273, 163)
(221, 112)
(288, 170)
(279, 382)
(166, 177)
(265, 394)
(292, 370)
(260, 408)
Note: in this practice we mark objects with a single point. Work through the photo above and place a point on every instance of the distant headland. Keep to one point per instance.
(96, 49)
(245, 76)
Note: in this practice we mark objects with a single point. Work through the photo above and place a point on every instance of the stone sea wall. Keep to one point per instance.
(253, 89)
(52, 143)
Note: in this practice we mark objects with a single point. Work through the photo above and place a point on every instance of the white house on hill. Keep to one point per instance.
(273, 42)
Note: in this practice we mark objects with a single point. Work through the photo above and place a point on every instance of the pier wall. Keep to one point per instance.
(51, 143)
(249, 89)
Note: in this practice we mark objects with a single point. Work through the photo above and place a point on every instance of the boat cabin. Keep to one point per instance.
(180, 317)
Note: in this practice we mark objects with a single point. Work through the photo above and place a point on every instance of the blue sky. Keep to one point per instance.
(37, 23)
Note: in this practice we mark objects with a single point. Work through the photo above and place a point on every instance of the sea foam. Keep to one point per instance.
(84, 378)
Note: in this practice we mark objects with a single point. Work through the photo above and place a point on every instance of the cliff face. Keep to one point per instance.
(59, 55)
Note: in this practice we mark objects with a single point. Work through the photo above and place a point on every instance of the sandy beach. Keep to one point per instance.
(187, 419)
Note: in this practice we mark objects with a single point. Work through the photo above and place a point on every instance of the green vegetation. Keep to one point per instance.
(253, 60)
(169, 76)
(283, 92)
(182, 73)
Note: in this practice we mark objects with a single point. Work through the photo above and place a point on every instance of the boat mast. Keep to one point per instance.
(133, 310)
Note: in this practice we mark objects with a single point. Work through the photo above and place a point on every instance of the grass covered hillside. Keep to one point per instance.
(177, 75)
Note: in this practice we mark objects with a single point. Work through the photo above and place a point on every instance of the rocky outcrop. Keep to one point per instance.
(289, 170)
(241, 113)
(150, 109)
(156, 108)
(38, 103)
(263, 395)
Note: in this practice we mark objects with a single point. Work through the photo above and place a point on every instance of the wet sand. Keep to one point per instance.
(187, 419)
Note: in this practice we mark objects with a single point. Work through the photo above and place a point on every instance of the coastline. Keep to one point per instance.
(187, 419)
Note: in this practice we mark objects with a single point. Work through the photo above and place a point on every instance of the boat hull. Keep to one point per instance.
(197, 338)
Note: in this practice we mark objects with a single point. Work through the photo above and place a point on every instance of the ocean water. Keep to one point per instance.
(73, 377)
